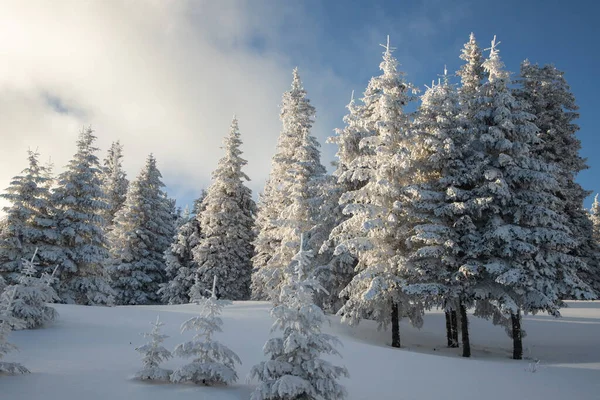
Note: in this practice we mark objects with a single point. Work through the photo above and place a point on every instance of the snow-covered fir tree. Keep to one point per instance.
(7, 323)
(524, 240)
(31, 294)
(213, 363)
(153, 354)
(29, 222)
(346, 176)
(227, 222)
(548, 97)
(431, 269)
(141, 234)
(294, 368)
(180, 267)
(80, 203)
(372, 229)
(595, 218)
(297, 153)
(114, 182)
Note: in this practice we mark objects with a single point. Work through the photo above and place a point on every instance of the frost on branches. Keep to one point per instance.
(153, 353)
(213, 363)
(297, 158)
(114, 182)
(524, 239)
(80, 203)
(29, 221)
(548, 97)
(431, 269)
(371, 231)
(227, 225)
(180, 265)
(141, 234)
(31, 295)
(7, 323)
(295, 369)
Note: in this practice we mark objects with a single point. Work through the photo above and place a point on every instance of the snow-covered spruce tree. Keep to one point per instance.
(431, 270)
(153, 353)
(525, 242)
(548, 97)
(349, 175)
(80, 203)
(595, 218)
(141, 234)
(180, 265)
(31, 294)
(372, 230)
(213, 363)
(471, 75)
(114, 182)
(7, 323)
(226, 249)
(29, 222)
(297, 150)
(294, 368)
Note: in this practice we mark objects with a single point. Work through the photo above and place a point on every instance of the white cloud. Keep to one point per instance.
(161, 76)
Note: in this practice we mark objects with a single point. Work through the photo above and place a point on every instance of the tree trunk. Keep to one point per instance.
(449, 336)
(465, 331)
(454, 326)
(517, 336)
(395, 326)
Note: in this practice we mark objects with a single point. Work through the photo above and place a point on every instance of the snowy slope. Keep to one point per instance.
(88, 354)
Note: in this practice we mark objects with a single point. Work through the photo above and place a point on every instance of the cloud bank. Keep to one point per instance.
(161, 76)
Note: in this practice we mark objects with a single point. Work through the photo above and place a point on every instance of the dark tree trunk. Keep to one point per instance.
(395, 326)
(465, 331)
(517, 336)
(454, 322)
(449, 329)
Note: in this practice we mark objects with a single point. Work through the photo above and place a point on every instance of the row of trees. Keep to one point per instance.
(470, 202)
(109, 237)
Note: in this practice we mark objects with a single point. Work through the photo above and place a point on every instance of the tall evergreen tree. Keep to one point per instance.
(180, 265)
(142, 232)
(80, 203)
(524, 240)
(432, 272)
(29, 222)
(114, 181)
(371, 232)
(548, 97)
(296, 162)
(349, 175)
(227, 222)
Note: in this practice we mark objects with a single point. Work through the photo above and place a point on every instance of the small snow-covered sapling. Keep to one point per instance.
(153, 354)
(213, 363)
(7, 321)
(294, 368)
(31, 295)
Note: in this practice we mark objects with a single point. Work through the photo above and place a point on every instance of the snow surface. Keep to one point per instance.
(88, 353)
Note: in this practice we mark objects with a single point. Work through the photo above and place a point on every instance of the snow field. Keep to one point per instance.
(88, 353)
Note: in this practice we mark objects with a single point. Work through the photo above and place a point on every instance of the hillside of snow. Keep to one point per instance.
(88, 354)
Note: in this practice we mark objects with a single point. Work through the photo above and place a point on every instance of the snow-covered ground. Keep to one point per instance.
(88, 354)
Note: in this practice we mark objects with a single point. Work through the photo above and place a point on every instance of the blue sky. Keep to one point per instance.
(167, 76)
